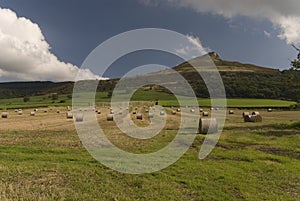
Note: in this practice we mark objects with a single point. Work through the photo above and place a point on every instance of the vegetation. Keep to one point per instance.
(251, 162)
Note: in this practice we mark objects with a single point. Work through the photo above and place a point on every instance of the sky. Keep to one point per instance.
(50, 39)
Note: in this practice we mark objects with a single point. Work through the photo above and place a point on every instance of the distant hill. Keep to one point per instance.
(240, 80)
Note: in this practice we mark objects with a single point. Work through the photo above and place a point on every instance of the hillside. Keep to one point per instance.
(240, 80)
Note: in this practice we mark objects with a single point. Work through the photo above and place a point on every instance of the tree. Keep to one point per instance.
(26, 99)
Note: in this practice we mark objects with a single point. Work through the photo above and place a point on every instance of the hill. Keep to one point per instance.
(240, 80)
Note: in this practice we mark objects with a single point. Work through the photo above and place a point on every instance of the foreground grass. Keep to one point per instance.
(250, 162)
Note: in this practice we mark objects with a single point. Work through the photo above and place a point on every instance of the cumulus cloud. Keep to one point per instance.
(25, 54)
(284, 15)
(193, 49)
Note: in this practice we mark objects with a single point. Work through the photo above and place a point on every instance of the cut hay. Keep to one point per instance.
(178, 110)
(79, 117)
(208, 126)
(4, 115)
(151, 115)
(32, 113)
(139, 116)
(231, 112)
(174, 112)
(255, 113)
(205, 114)
(110, 117)
(69, 115)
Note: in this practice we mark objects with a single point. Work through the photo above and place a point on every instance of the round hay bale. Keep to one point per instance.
(110, 117)
(20, 112)
(79, 117)
(139, 116)
(231, 112)
(205, 114)
(35, 110)
(98, 112)
(200, 110)
(32, 113)
(112, 112)
(69, 115)
(178, 110)
(45, 111)
(255, 113)
(162, 113)
(174, 112)
(245, 114)
(151, 115)
(270, 110)
(256, 118)
(247, 118)
(4, 115)
(146, 110)
(208, 126)
(16, 110)
(57, 111)
(192, 110)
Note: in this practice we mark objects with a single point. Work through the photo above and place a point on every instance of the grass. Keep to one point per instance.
(140, 95)
(251, 162)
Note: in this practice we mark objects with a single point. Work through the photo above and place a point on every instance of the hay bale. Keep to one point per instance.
(4, 115)
(69, 115)
(32, 113)
(57, 111)
(134, 112)
(192, 110)
(205, 114)
(45, 111)
(201, 110)
(270, 110)
(256, 118)
(16, 110)
(255, 113)
(162, 113)
(139, 116)
(35, 110)
(110, 117)
(79, 117)
(178, 110)
(20, 112)
(253, 118)
(208, 126)
(231, 112)
(247, 118)
(245, 114)
(98, 112)
(174, 112)
(146, 110)
(151, 115)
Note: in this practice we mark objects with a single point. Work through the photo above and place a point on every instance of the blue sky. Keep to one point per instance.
(73, 28)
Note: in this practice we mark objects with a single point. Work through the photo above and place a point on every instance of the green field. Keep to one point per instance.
(251, 162)
(164, 100)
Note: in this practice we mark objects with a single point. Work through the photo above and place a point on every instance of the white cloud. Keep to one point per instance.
(267, 34)
(25, 55)
(193, 49)
(283, 14)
